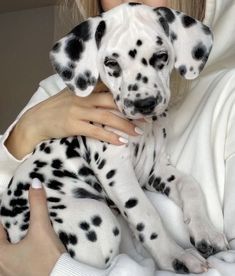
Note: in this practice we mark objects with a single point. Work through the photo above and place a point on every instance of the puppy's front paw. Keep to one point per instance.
(184, 262)
(207, 240)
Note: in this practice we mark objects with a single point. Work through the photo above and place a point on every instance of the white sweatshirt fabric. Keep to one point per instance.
(201, 143)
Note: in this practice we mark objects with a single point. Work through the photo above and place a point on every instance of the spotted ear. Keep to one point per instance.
(192, 40)
(74, 57)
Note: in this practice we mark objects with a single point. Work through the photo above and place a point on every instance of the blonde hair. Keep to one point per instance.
(82, 9)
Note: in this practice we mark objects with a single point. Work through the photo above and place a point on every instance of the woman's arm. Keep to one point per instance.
(54, 114)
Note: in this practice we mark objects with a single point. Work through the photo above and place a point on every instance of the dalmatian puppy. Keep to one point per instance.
(132, 49)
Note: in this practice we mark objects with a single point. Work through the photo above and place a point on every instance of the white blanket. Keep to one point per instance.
(139, 262)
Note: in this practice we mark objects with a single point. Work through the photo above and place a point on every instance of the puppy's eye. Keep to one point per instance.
(111, 63)
(162, 56)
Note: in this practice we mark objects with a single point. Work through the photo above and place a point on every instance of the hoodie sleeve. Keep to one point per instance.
(229, 189)
(8, 163)
(121, 265)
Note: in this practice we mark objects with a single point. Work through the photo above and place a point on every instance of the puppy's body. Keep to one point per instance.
(83, 176)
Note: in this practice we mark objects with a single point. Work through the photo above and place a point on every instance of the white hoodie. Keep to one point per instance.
(201, 140)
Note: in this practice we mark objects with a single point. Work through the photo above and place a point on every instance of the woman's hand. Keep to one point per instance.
(66, 114)
(38, 252)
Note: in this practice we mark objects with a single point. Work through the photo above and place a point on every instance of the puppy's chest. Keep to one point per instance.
(82, 158)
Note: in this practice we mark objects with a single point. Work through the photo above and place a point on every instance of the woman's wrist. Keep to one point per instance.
(20, 142)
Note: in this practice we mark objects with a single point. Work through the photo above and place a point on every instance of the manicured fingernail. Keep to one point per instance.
(123, 140)
(139, 131)
(36, 184)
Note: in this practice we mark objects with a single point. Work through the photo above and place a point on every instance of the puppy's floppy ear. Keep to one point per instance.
(192, 40)
(74, 57)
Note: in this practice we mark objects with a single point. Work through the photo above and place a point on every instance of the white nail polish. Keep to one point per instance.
(139, 131)
(36, 184)
(123, 140)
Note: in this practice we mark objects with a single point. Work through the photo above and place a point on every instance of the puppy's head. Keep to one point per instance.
(133, 49)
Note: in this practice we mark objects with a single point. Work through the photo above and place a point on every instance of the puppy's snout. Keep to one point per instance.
(145, 106)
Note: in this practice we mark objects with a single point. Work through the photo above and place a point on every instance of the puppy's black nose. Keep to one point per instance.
(145, 106)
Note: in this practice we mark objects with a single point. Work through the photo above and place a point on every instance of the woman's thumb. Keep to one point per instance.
(38, 205)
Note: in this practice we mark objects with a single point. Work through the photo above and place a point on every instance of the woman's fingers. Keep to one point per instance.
(99, 133)
(38, 206)
(102, 99)
(105, 117)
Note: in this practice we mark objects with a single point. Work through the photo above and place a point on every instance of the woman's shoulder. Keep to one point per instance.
(52, 85)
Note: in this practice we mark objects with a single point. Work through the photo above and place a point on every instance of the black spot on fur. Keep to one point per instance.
(91, 236)
(85, 171)
(56, 163)
(145, 80)
(173, 36)
(132, 202)
(40, 176)
(64, 238)
(188, 21)
(139, 76)
(144, 61)
(206, 30)
(53, 199)
(140, 226)
(96, 220)
(139, 42)
(82, 193)
(24, 227)
(169, 15)
(73, 239)
(40, 164)
(153, 236)
(66, 74)
(164, 25)
(84, 226)
(107, 260)
(111, 184)
(180, 267)
(64, 173)
(167, 191)
(96, 156)
(58, 220)
(199, 51)
(182, 70)
(82, 31)
(83, 81)
(133, 4)
(110, 174)
(159, 40)
(61, 207)
(55, 185)
(74, 48)
(132, 53)
(101, 164)
(98, 187)
(116, 231)
(171, 178)
(71, 253)
(192, 240)
(100, 31)
(141, 238)
(56, 47)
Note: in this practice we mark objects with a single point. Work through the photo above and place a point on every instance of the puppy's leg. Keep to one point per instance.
(89, 230)
(120, 183)
(187, 194)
